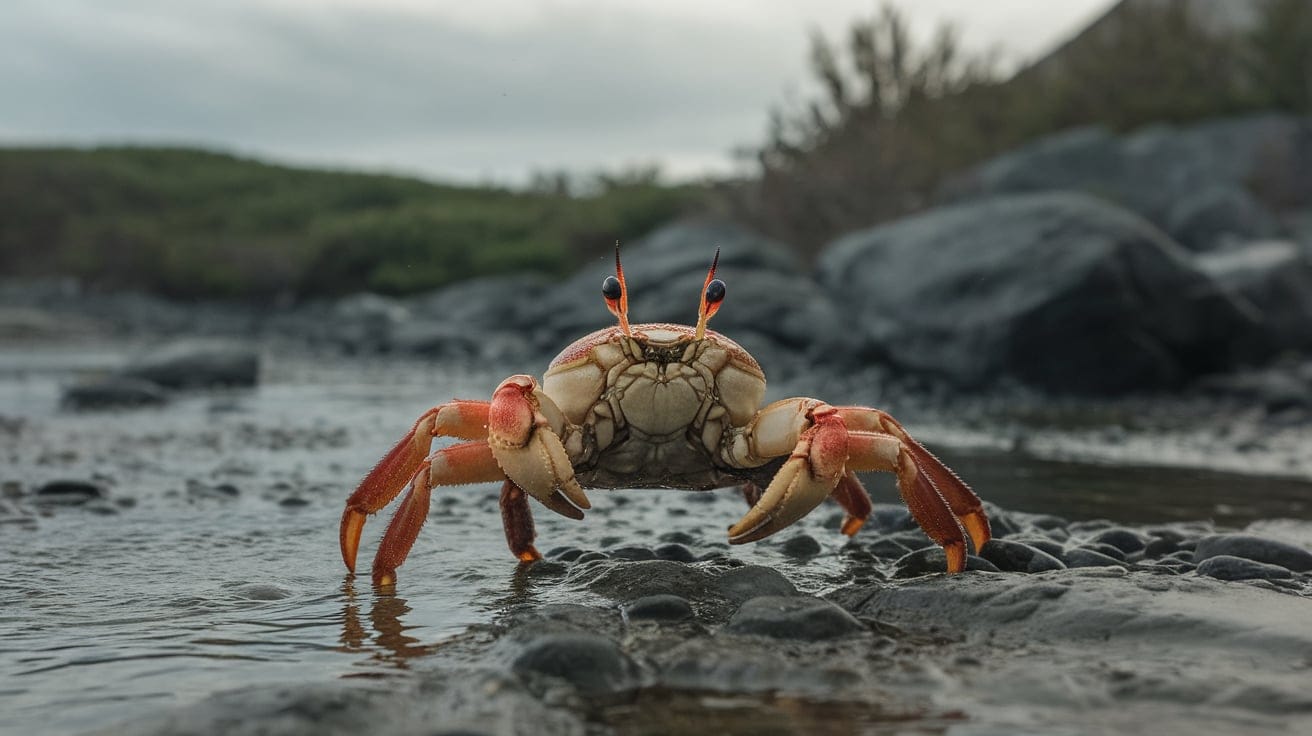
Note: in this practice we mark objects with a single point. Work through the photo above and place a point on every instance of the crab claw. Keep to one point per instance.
(806, 478)
(528, 449)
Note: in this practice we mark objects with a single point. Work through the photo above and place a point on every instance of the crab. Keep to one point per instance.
(657, 406)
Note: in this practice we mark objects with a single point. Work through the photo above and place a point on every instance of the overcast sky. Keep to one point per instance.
(469, 90)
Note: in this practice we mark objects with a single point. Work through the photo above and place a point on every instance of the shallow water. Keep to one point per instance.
(213, 562)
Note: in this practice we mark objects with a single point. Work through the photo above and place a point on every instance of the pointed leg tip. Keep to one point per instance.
(956, 552)
(529, 555)
(352, 526)
(852, 525)
(977, 526)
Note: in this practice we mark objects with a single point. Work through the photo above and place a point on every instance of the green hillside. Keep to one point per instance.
(194, 223)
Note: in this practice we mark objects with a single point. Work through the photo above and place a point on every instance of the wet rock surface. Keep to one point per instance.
(1211, 651)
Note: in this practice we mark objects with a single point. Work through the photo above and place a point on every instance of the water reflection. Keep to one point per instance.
(389, 643)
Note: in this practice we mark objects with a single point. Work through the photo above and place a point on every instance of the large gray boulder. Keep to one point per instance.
(1276, 278)
(1060, 290)
(1154, 170)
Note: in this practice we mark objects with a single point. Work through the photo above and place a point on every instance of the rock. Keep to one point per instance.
(564, 554)
(1254, 548)
(631, 553)
(1043, 544)
(887, 549)
(889, 518)
(628, 581)
(675, 552)
(113, 392)
(68, 493)
(801, 546)
(1275, 277)
(591, 663)
(1229, 567)
(1088, 558)
(1017, 557)
(932, 560)
(659, 608)
(743, 583)
(1059, 290)
(794, 617)
(1155, 170)
(1218, 217)
(1274, 388)
(198, 363)
(1123, 539)
(1104, 549)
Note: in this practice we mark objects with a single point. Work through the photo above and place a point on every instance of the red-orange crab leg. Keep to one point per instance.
(528, 449)
(517, 520)
(855, 500)
(879, 451)
(963, 501)
(462, 419)
(469, 462)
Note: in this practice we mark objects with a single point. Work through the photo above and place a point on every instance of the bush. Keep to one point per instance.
(189, 223)
(896, 119)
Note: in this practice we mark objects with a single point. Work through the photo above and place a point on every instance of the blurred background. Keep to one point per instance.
(277, 147)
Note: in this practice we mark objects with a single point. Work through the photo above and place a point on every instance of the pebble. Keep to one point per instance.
(793, 617)
(1019, 557)
(1161, 547)
(661, 607)
(1120, 538)
(1081, 557)
(68, 492)
(564, 554)
(589, 662)
(932, 560)
(1041, 543)
(113, 392)
(1254, 548)
(676, 552)
(1229, 567)
(678, 537)
(1106, 549)
(743, 583)
(887, 548)
(632, 553)
(802, 545)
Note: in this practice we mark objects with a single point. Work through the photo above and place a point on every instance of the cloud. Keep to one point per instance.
(468, 90)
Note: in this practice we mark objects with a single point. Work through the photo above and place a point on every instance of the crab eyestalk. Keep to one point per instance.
(712, 296)
(616, 293)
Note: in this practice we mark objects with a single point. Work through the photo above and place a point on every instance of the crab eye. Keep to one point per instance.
(715, 292)
(611, 289)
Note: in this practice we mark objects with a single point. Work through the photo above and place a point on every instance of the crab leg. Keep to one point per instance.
(517, 519)
(462, 419)
(850, 494)
(809, 475)
(855, 500)
(527, 448)
(879, 451)
(963, 501)
(469, 462)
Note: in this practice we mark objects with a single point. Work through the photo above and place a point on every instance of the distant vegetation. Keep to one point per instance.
(895, 121)
(191, 223)
(898, 118)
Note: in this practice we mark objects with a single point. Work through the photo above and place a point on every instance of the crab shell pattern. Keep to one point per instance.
(659, 406)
